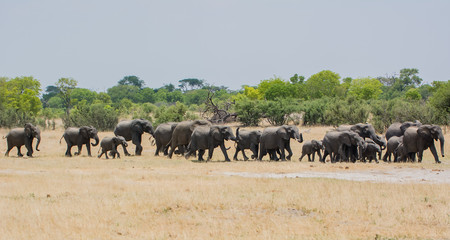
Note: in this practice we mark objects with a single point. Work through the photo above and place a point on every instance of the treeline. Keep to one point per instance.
(324, 98)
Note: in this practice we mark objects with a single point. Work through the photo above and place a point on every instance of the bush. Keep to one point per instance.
(100, 115)
(313, 111)
(174, 113)
(249, 111)
(349, 111)
(10, 118)
(277, 112)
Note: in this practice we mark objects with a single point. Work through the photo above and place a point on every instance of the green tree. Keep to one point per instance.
(277, 111)
(79, 94)
(119, 92)
(132, 81)
(22, 93)
(323, 83)
(249, 111)
(190, 84)
(66, 87)
(413, 94)
(365, 88)
(441, 100)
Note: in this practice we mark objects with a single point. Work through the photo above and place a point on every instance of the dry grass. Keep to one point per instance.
(53, 197)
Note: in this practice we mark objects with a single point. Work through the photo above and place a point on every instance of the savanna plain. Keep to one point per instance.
(50, 196)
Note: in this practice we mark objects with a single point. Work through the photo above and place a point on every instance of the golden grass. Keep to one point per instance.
(146, 197)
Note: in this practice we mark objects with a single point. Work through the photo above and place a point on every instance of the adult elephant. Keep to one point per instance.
(162, 136)
(275, 139)
(18, 137)
(133, 130)
(247, 140)
(364, 130)
(209, 137)
(418, 139)
(181, 135)
(336, 142)
(78, 137)
(398, 129)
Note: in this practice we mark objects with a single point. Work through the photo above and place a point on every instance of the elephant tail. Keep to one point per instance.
(61, 139)
(169, 143)
(152, 141)
(237, 134)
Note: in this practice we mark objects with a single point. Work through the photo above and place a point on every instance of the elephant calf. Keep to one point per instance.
(205, 137)
(392, 144)
(110, 144)
(247, 140)
(370, 151)
(311, 147)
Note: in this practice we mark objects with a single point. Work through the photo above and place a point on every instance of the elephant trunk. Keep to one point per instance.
(96, 141)
(38, 137)
(441, 139)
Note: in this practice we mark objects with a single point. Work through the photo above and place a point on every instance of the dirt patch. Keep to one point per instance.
(404, 175)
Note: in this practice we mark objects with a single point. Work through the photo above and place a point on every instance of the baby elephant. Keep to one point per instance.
(311, 147)
(110, 144)
(370, 151)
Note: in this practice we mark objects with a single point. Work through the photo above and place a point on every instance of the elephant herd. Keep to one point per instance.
(404, 141)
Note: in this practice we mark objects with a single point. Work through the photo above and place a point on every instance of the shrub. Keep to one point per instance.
(10, 118)
(174, 113)
(249, 111)
(100, 115)
(277, 112)
(313, 111)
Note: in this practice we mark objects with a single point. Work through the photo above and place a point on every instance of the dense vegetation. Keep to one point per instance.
(323, 98)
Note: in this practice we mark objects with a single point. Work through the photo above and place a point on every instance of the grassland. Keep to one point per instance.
(146, 197)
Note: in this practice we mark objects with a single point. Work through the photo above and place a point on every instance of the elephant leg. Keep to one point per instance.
(100, 155)
(243, 154)
(435, 154)
(80, 146)
(9, 149)
(225, 154)
(385, 156)
(18, 151)
(301, 157)
(236, 153)
(136, 140)
(210, 153)
(309, 157)
(200, 154)
(165, 150)
(88, 148)
(325, 154)
(320, 155)
(29, 150)
(68, 153)
(313, 156)
(288, 148)
(158, 149)
(125, 151)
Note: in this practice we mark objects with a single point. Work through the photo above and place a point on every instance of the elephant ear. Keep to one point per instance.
(425, 133)
(137, 127)
(84, 132)
(215, 132)
(345, 139)
(404, 126)
(28, 130)
(283, 132)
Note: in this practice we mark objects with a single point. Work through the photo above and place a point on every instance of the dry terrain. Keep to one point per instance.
(50, 196)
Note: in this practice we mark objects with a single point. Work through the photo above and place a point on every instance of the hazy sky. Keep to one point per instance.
(229, 42)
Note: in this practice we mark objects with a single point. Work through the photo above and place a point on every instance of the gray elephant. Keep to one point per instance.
(336, 142)
(209, 137)
(181, 135)
(402, 154)
(133, 130)
(311, 147)
(162, 136)
(78, 137)
(275, 139)
(247, 140)
(18, 137)
(418, 139)
(364, 130)
(392, 144)
(110, 144)
(371, 150)
(398, 129)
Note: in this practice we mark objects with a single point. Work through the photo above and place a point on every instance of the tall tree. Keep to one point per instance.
(322, 84)
(365, 88)
(66, 87)
(132, 80)
(190, 84)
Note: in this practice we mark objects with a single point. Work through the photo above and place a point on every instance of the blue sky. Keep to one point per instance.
(231, 43)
